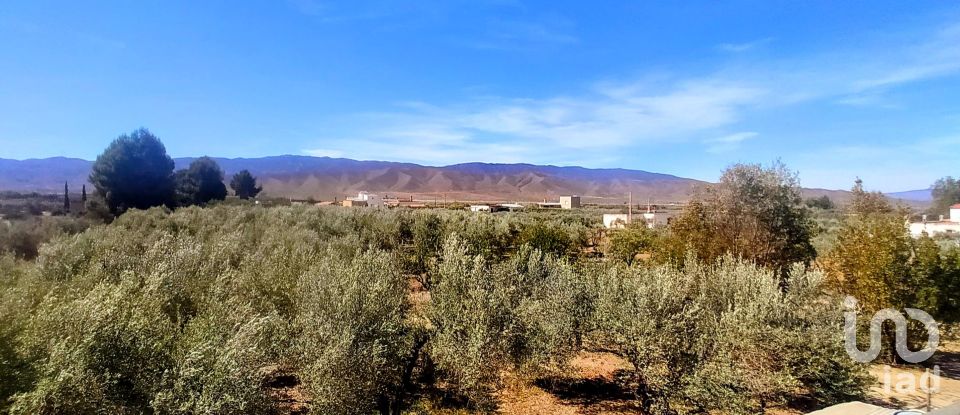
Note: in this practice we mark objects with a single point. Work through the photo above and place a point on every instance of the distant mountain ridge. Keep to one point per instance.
(327, 178)
(922, 195)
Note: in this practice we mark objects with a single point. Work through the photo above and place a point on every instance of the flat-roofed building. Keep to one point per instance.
(569, 202)
(948, 226)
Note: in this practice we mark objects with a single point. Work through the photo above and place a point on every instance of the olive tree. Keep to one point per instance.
(724, 337)
(755, 213)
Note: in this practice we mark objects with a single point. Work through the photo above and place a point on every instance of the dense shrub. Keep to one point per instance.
(23, 237)
(625, 244)
(193, 311)
(524, 314)
(352, 339)
(724, 337)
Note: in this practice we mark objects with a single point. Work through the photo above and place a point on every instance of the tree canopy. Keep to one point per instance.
(945, 192)
(755, 213)
(200, 183)
(244, 185)
(134, 172)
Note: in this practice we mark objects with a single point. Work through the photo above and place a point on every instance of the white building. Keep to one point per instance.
(371, 200)
(569, 202)
(650, 218)
(948, 225)
(480, 208)
(616, 220)
(655, 219)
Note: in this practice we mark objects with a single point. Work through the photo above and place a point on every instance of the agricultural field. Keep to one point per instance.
(244, 309)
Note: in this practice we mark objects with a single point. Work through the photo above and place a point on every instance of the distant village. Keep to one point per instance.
(651, 215)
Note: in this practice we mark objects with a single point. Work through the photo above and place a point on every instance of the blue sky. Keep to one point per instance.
(834, 89)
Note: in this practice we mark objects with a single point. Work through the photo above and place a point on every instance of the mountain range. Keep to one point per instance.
(922, 195)
(325, 178)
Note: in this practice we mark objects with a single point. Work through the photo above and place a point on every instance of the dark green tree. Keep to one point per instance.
(134, 172)
(200, 183)
(66, 198)
(823, 202)
(945, 192)
(244, 185)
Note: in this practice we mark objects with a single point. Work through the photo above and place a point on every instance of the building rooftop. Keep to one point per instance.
(956, 206)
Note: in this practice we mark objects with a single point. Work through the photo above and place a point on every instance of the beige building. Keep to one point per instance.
(569, 202)
(364, 199)
(354, 203)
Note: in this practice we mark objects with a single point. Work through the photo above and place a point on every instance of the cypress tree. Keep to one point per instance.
(66, 198)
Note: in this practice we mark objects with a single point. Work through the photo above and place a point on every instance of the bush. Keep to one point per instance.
(352, 338)
(724, 337)
(523, 315)
(193, 311)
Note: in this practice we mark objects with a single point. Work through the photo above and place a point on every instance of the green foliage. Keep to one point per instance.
(244, 185)
(22, 238)
(876, 261)
(549, 239)
(945, 192)
(753, 213)
(868, 203)
(625, 244)
(427, 240)
(194, 311)
(200, 183)
(723, 337)
(822, 202)
(134, 172)
(524, 314)
(66, 198)
(352, 337)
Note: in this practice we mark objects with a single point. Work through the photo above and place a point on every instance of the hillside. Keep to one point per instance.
(923, 195)
(326, 178)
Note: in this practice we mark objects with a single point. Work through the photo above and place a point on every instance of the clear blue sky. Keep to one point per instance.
(836, 89)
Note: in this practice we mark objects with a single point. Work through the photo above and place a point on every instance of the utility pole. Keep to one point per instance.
(630, 208)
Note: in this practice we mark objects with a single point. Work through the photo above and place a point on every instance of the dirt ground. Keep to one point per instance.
(591, 389)
(913, 394)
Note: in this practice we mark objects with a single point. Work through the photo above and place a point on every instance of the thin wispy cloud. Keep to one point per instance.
(593, 125)
(745, 46)
(612, 117)
(728, 142)
(937, 56)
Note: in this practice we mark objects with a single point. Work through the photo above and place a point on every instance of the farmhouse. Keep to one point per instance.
(651, 218)
(569, 202)
(364, 199)
(512, 207)
(615, 220)
(949, 225)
